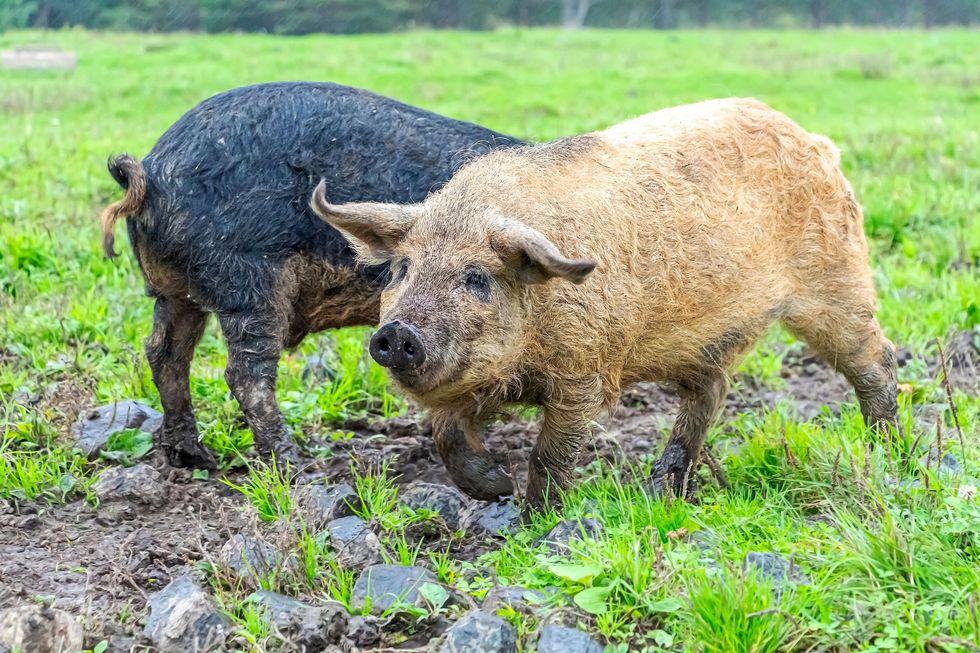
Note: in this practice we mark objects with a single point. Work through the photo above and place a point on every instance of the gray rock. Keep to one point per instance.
(363, 632)
(93, 427)
(38, 629)
(321, 504)
(491, 519)
(184, 618)
(382, 586)
(520, 599)
(775, 568)
(139, 484)
(926, 416)
(307, 627)
(704, 539)
(447, 501)
(558, 639)
(947, 464)
(480, 632)
(354, 543)
(249, 558)
(567, 531)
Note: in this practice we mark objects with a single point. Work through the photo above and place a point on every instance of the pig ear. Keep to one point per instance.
(534, 257)
(373, 229)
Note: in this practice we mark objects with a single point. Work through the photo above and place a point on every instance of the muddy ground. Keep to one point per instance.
(101, 563)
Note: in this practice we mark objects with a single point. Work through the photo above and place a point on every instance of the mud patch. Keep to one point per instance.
(100, 563)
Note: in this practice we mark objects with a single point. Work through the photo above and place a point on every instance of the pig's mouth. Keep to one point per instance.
(427, 378)
(414, 381)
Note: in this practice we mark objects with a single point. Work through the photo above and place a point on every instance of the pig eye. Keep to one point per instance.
(477, 282)
(399, 271)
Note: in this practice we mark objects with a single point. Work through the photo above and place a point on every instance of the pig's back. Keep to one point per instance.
(702, 218)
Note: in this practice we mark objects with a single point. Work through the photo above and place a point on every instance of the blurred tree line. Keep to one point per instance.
(351, 16)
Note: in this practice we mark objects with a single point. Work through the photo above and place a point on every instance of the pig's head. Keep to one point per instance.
(454, 316)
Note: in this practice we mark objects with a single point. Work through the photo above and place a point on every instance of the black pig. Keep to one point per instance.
(218, 218)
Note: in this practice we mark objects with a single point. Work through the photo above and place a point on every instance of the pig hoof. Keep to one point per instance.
(190, 453)
(529, 510)
(487, 484)
(284, 452)
(677, 483)
(672, 474)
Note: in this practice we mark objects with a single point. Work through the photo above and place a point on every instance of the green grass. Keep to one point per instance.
(892, 566)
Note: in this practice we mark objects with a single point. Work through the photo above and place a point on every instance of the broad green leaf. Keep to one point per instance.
(436, 595)
(662, 638)
(669, 604)
(593, 599)
(581, 574)
(66, 484)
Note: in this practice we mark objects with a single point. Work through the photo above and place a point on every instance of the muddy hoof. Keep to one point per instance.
(673, 474)
(484, 479)
(286, 453)
(188, 452)
(674, 484)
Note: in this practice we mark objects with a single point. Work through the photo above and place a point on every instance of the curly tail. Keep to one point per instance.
(128, 173)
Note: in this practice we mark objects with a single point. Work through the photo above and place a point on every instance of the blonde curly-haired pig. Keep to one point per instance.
(659, 249)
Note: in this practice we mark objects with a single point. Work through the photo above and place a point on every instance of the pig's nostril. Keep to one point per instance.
(383, 345)
(409, 349)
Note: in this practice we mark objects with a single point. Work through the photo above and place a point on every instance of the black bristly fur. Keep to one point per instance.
(226, 212)
(240, 168)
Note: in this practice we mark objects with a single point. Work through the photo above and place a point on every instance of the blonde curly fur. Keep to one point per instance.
(708, 223)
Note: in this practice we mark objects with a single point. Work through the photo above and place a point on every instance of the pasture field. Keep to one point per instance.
(880, 541)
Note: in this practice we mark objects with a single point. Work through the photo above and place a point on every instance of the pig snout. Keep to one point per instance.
(398, 347)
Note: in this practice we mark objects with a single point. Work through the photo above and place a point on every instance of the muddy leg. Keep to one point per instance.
(255, 342)
(177, 328)
(474, 470)
(853, 343)
(700, 403)
(555, 455)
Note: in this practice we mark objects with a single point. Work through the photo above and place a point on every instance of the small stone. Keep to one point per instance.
(567, 531)
(140, 484)
(926, 416)
(382, 586)
(183, 618)
(491, 519)
(447, 501)
(775, 568)
(480, 632)
(93, 427)
(704, 539)
(559, 639)
(947, 463)
(363, 632)
(963, 350)
(354, 543)
(249, 558)
(39, 629)
(307, 627)
(321, 504)
(520, 599)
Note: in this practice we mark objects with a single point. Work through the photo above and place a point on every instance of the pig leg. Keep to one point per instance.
(177, 328)
(474, 470)
(555, 454)
(700, 402)
(255, 341)
(848, 336)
